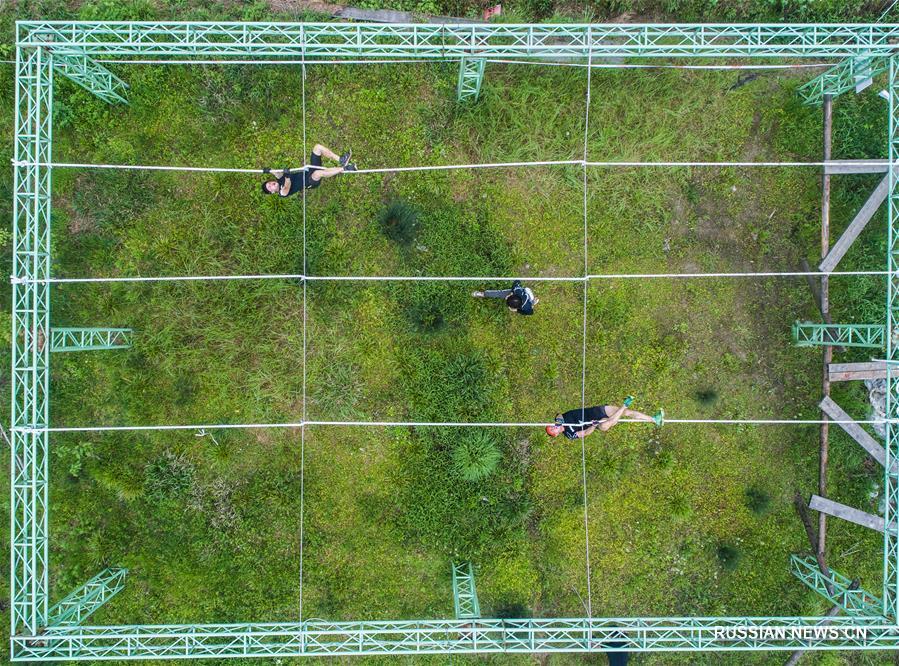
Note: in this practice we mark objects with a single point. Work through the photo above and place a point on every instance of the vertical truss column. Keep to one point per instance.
(807, 334)
(465, 595)
(30, 312)
(852, 73)
(83, 339)
(471, 74)
(891, 476)
(93, 77)
(853, 600)
(81, 603)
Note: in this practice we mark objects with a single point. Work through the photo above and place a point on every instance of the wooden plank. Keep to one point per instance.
(816, 293)
(847, 513)
(827, 356)
(855, 166)
(802, 510)
(846, 372)
(841, 247)
(859, 434)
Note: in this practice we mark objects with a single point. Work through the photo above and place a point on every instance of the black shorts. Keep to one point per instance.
(308, 182)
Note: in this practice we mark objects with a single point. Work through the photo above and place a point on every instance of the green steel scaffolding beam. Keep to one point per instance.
(30, 305)
(80, 604)
(891, 471)
(318, 638)
(39, 44)
(471, 74)
(83, 339)
(807, 334)
(843, 77)
(853, 601)
(315, 40)
(465, 594)
(93, 77)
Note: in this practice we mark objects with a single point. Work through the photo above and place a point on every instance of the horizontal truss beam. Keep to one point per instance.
(807, 334)
(458, 636)
(312, 40)
(84, 339)
(843, 77)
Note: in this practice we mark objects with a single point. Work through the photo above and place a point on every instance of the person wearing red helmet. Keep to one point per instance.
(580, 423)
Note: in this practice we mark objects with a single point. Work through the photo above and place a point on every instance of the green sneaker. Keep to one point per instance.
(628, 401)
(659, 418)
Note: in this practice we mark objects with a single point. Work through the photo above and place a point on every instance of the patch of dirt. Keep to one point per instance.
(297, 6)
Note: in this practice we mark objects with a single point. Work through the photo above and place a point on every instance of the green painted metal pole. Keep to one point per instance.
(465, 594)
(808, 334)
(87, 599)
(84, 339)
(853, 601)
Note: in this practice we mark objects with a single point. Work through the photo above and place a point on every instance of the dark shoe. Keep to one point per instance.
(345, 158)
(350, 167)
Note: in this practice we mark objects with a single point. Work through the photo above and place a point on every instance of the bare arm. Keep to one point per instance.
(586, 432)
(285, 189)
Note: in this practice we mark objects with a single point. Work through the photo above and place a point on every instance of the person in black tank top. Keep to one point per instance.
(579, 423)
(288, 182)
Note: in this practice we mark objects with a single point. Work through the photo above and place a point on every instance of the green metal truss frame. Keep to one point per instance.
(465, 593)
(808, 334)
(42, 634)
(83, 339)
(843, 77)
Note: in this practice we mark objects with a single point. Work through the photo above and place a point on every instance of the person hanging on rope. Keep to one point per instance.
(518, 299)
(289, 182)
(580, 423)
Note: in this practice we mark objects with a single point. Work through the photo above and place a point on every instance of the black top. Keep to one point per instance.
(576, 416)
(298, 179)
(527, 298)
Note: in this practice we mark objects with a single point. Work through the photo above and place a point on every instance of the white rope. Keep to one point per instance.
(653, 66)
(501, 61)
(429, 424)
(456, 167)
(303, 429)
(440, 278)
(584, 348)
(274, 62)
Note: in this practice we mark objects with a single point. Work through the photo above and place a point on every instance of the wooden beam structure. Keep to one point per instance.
(859, 434)
(847, 513)
(858, 224)
(847, 372)
(827, 352)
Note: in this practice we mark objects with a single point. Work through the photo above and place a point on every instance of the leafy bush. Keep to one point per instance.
(757, 500)
(729, 556)
(399, 222)
(476, 455)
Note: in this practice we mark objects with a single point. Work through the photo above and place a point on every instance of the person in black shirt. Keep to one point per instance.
(289, 182)
(580, 423)
(518, 299)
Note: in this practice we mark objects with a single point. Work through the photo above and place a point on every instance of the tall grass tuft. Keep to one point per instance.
(399, 222)
(476, 455)
(757, 500)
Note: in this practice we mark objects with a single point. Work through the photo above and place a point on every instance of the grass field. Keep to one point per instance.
(687, 520)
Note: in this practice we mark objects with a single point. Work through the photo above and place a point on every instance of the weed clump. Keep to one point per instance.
(729, 556)
(168, 476)
(399, 222)
(476, 455)
(707, 397)
(758, 500)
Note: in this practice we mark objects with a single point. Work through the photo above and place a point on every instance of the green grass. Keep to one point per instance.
(210, 527)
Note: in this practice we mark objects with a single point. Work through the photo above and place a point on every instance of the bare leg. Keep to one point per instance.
(496, 293)
(614, 413)
(327, 152)
(318, 174)
(640, 416)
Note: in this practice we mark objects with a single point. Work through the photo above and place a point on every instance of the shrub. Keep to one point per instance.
(476, 455)
(728, 556)
(757, 500)
(399, 222)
